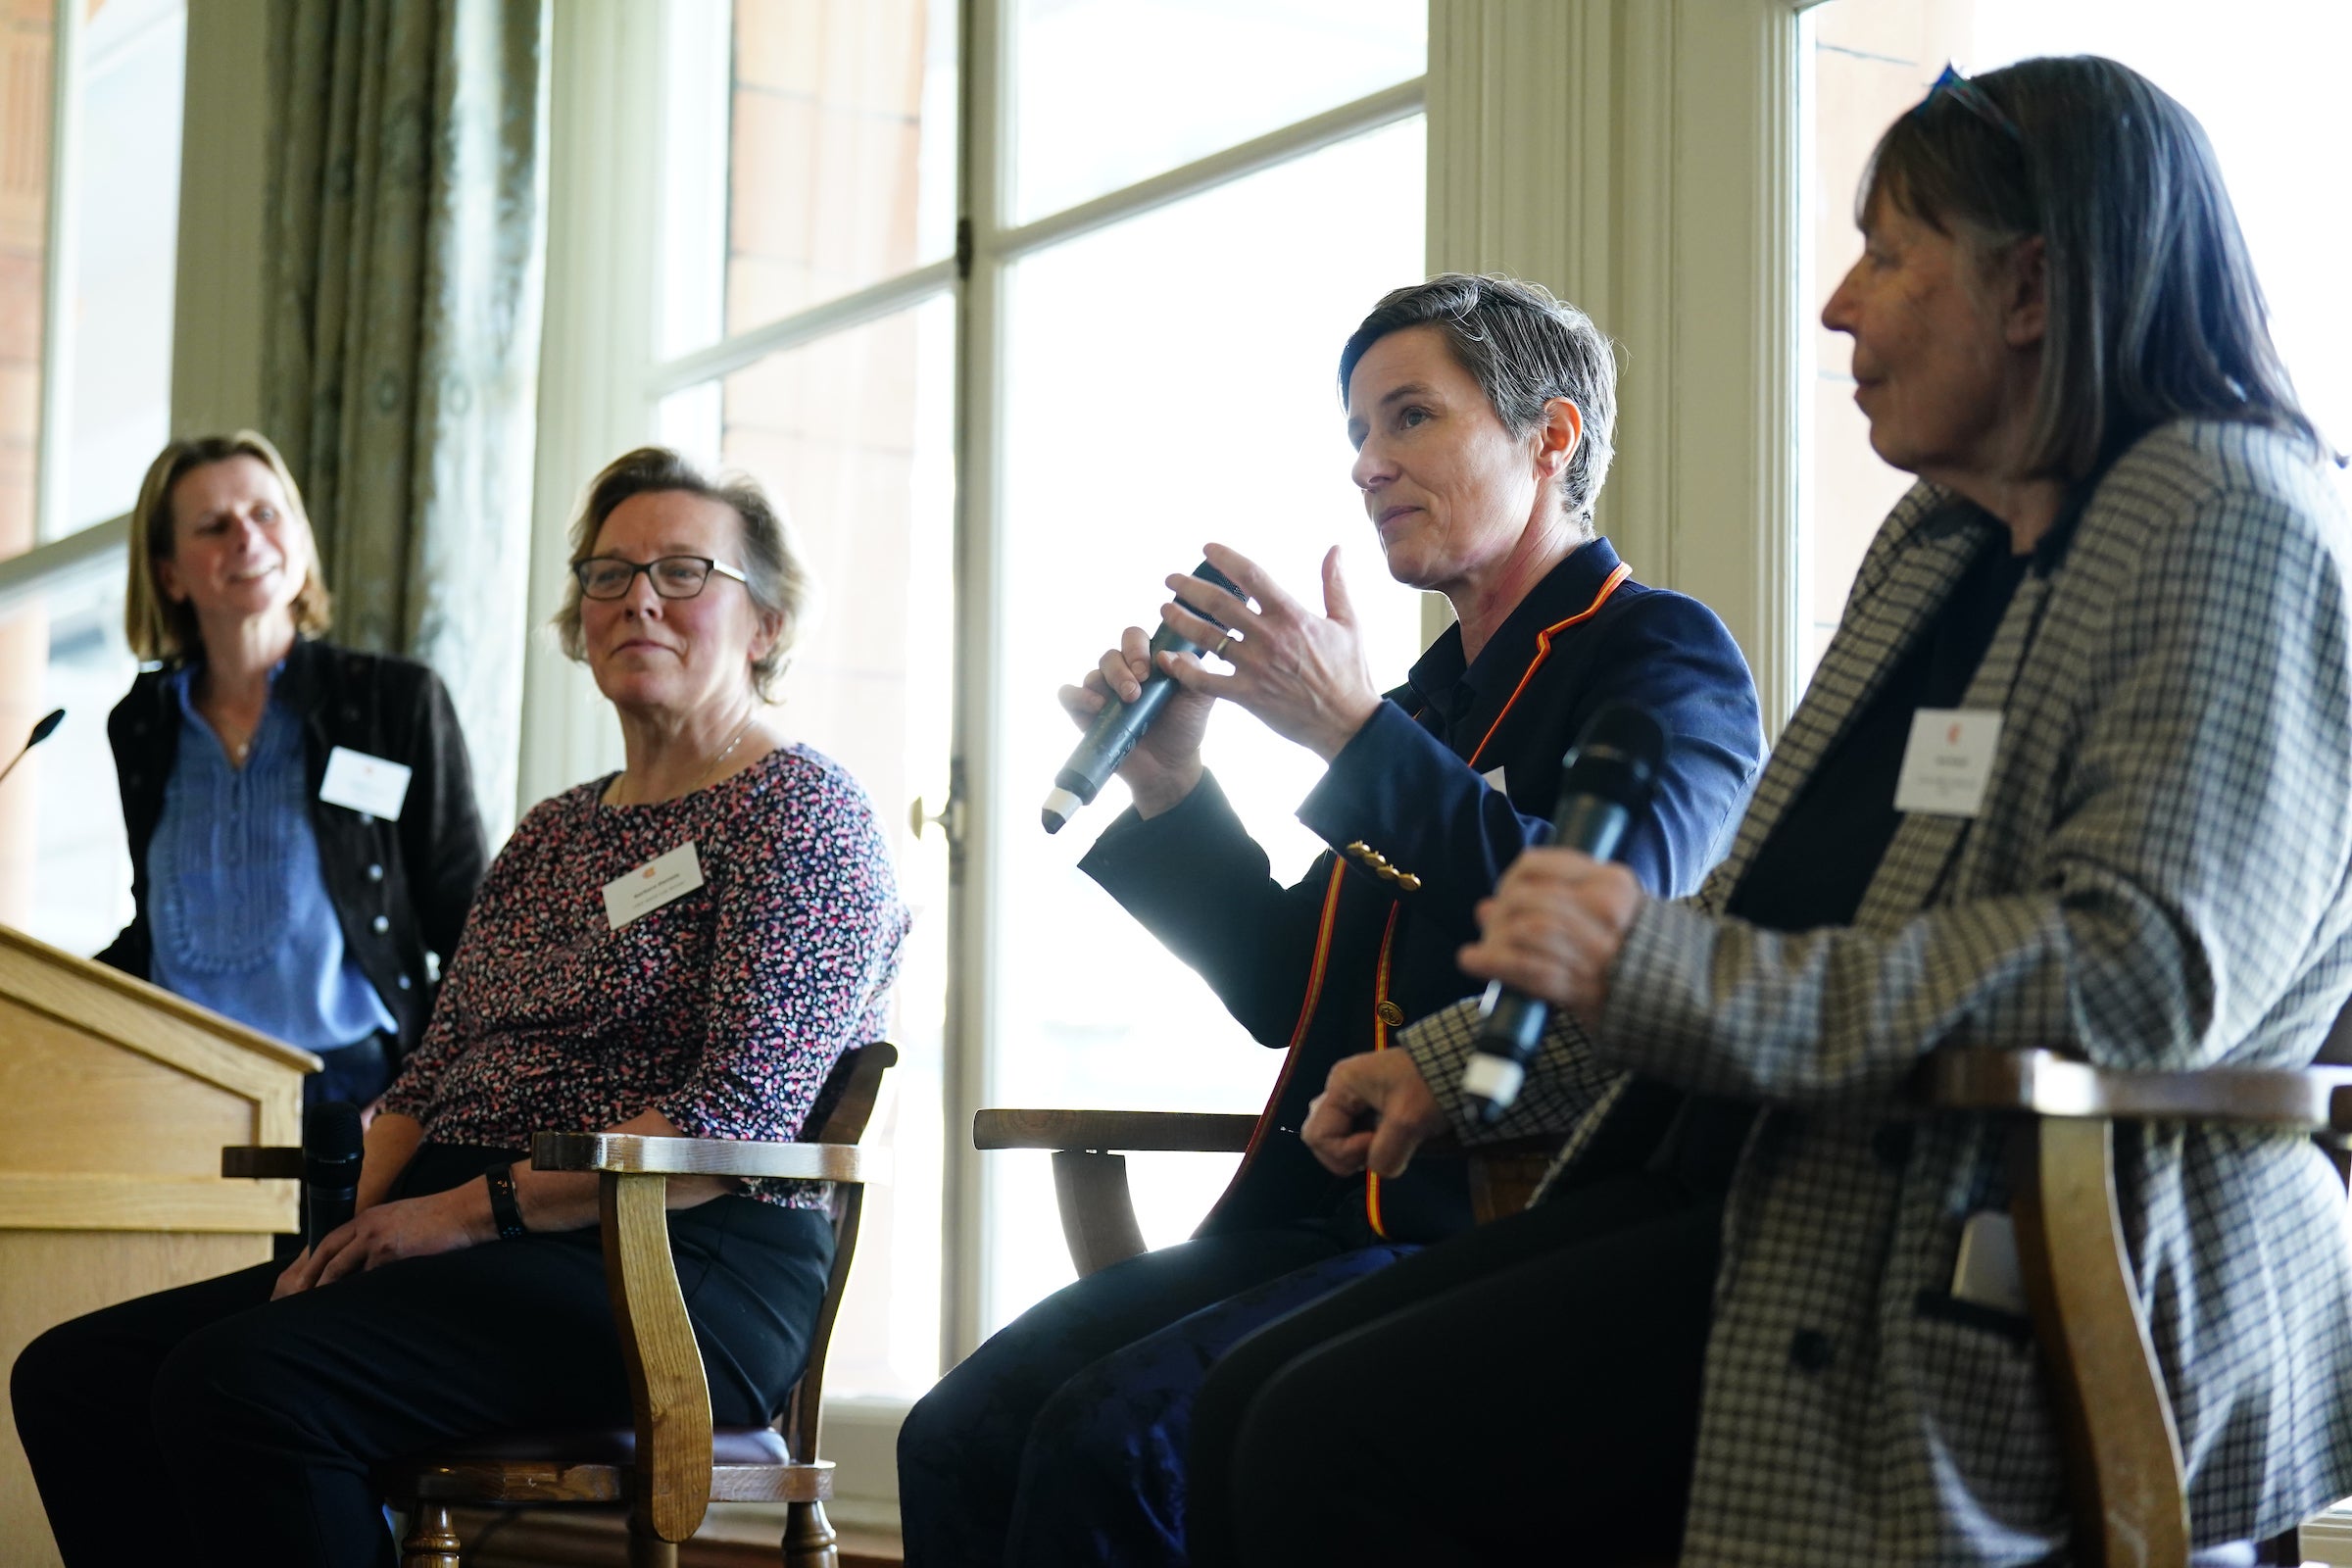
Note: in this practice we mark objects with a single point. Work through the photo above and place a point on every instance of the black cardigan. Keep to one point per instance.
(400, 889)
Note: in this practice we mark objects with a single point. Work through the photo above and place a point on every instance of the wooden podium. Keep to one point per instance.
(115, 1100)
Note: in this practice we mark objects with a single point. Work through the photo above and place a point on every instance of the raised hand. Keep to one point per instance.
(1303, 674)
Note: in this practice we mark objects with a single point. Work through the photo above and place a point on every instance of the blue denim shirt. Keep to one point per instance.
(242, 920)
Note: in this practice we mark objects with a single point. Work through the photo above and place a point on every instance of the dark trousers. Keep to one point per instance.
(1525, 1392)
(1045, 1445)
(210, 1424)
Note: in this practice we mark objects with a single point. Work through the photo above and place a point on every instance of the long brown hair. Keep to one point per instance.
(2154, 310)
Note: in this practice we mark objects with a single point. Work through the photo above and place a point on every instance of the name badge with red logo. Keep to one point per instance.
(658, 881)
(1949, 763)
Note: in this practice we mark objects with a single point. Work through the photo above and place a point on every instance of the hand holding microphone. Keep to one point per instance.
(1558, 919)
(1130, 703)
(1301, 673)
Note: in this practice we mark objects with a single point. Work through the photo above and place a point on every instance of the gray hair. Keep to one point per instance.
(1524, 348)
(774, 574)
(2154, 312)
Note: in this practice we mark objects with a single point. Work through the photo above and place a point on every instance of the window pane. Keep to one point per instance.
(852, 436)
(2269, 103)
(24, 60)
(1114, 91)
(832, 125)
(64, 871)
(1170, 381)
(125, 214)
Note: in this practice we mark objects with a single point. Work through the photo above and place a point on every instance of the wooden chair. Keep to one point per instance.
(2125, 1473)
(669, 1464)
(1090, 1150)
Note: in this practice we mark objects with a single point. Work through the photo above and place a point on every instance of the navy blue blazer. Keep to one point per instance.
(1418, 833)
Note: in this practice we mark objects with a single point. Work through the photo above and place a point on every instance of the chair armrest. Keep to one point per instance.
(1105, 1131)
(627, 1154)
(2042, 1083)
(260, 1162)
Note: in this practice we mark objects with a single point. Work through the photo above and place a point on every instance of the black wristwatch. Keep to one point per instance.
(505, 1212)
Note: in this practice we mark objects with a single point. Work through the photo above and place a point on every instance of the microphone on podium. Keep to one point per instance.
(330, 1167)
(1119, 725)
(40, 732)
(1608, 777)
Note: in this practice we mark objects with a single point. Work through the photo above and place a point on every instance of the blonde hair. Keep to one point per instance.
(774, 575)
(160, 630)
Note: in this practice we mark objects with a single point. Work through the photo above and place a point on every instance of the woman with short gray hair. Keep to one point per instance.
(1481, 410)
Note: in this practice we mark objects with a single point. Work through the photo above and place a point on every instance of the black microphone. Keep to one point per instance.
(40, 732)
(1119, 725)
(331, 1168)
(1608, 776)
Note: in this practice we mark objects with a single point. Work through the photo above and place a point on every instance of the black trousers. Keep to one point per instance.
(267, 1416)
(1525, 1392)
(964, 1446)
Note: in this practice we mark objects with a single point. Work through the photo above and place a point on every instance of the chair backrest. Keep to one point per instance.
(838, 1116)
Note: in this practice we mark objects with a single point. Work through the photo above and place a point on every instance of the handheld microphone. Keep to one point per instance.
(40, 732)
(331, 1168)
(1119, 725)
(1608, 775)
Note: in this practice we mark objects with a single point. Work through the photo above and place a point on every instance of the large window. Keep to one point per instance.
(2269, 101)
(1015, 305)
(90, 95)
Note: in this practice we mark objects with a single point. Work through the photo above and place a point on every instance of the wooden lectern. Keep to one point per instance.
(115, 1100)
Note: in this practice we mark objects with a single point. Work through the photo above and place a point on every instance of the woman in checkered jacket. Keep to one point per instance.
(2076, 772)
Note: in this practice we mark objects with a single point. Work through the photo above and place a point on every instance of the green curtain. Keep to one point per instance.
(407, 223)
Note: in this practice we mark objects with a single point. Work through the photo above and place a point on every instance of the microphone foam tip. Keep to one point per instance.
(1061, 806)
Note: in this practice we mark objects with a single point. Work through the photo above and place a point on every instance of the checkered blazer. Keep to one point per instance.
(2157, 879)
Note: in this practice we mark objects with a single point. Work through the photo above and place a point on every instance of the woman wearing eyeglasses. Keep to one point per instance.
(303, 835)
(684, 947)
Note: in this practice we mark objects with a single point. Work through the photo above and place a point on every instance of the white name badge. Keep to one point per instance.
(1949, 763)
(1493, 778)
(366, 784)
(657, 882)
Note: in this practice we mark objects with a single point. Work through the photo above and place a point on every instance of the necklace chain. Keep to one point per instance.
(725, 751)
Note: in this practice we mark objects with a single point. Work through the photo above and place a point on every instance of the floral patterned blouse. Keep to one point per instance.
(723, 1010)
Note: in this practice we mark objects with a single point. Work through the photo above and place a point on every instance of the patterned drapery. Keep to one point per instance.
(407, 251)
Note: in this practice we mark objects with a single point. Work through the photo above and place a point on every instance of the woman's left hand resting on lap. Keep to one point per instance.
(1374, 1110)
(1555, 927)
(388, 1231)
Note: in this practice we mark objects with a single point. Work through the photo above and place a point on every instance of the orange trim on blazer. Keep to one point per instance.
(1380, 1041)
(1544, 651)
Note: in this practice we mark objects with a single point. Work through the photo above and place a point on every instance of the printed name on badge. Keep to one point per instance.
(366, 784)
(660, 880)
(1949, 763)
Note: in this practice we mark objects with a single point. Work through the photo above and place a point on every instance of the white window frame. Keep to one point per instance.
(599, 390)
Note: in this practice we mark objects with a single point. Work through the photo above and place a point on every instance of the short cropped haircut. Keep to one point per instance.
(774, 574)
(160, 630)
(1524, 348)
(2154, 312)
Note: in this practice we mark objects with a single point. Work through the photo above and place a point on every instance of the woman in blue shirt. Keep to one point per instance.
(304, 840)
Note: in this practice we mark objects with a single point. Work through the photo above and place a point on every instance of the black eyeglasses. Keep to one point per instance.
(672, 576)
